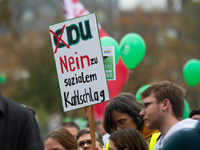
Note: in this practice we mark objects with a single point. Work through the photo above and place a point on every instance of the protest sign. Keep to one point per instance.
(79, 62)
(109, 62)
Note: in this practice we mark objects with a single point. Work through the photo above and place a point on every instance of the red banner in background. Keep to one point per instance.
(74, 8)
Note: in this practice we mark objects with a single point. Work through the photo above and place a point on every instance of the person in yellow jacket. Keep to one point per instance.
(153, 140)
(123, 112)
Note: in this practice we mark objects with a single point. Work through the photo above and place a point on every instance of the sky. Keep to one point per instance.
(145, 4)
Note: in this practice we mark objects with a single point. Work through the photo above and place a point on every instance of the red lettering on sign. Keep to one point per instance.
(72, 64)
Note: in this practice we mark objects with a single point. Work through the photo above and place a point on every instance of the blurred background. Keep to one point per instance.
(170, 29)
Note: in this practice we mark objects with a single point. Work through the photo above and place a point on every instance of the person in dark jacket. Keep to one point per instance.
(18, 127)
(185, 140)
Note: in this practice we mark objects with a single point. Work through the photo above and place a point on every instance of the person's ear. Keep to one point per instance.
(166, 103)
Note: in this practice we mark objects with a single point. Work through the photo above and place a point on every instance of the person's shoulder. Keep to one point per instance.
(106, 138)
(188, 120)
(184, 140)
(188, 123)
(14, 107)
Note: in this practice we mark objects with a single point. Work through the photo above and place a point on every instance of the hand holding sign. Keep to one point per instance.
(132, 50)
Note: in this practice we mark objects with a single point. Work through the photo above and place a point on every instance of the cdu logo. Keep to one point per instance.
(74, 33)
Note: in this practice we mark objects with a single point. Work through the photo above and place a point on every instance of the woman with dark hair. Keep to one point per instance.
(127, 139)
(123, 112)
(60, 139)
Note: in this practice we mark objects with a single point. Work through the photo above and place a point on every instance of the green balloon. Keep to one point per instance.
(2, 78)
(191, 72)
(186, 112)
(132, 50)
(67, 119)
(109, 41)
(139, 92)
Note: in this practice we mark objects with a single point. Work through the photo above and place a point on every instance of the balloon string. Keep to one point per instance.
(126, 85)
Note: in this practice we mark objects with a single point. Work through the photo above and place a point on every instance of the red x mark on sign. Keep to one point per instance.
(59, 39)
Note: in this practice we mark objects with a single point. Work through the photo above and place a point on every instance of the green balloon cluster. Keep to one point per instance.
(132, 50)
(191, 72)
(139, 92)
(109, 41)
(2, 78)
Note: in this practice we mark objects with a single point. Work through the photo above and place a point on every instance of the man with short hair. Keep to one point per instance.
(163, 107)
(72, 127)
(84, 140)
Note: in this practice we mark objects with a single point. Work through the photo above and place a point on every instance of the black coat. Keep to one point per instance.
(18, 127)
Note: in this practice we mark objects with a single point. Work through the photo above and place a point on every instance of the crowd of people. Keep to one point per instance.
(155, 124)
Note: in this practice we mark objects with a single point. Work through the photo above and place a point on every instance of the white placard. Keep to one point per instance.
(79, 62)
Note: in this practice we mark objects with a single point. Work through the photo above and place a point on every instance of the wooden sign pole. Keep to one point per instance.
(92, 126)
